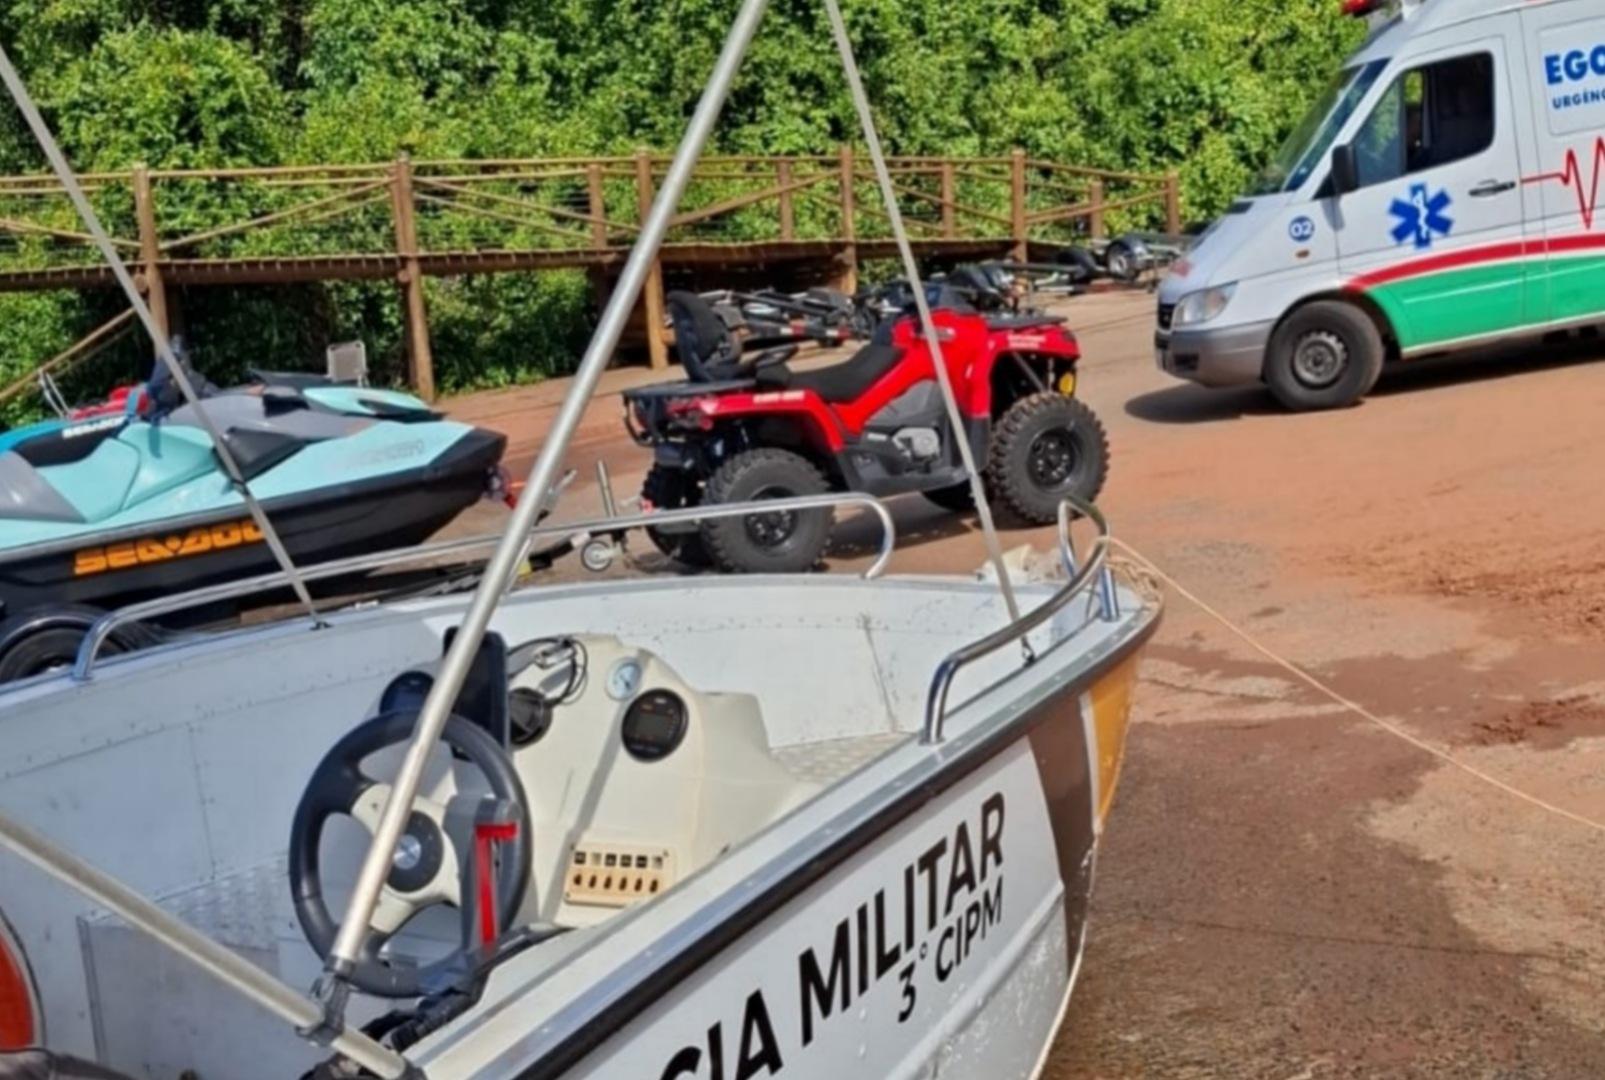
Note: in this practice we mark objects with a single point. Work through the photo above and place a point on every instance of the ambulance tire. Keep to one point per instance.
(1325, 355)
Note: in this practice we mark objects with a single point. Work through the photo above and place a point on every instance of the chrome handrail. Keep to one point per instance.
(1081, 578)
(104, 626)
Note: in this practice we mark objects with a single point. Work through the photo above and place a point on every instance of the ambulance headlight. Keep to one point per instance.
(1200, 307)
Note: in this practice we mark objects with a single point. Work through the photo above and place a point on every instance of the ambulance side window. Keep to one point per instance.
(1430, 116)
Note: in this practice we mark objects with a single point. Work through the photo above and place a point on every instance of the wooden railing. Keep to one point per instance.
(406, 220)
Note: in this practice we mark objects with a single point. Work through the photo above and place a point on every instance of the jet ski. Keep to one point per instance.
(127, 499)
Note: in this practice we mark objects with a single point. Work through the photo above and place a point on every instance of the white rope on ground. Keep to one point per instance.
(1352, 706)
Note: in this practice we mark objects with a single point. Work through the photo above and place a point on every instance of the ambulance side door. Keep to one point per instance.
(1565, 184)
(1435, 232)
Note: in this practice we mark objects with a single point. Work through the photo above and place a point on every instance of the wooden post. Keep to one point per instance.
(788, 224)
(1172, 203)
(1095, 223)
(420, 361)
(598, 202)
(950, 225)
(652, 294)
(1022, 242)
(150, 250)
(847, 278)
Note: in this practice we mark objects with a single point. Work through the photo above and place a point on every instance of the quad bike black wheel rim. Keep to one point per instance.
(1043, 448)
(774, 529)
(1053, 459)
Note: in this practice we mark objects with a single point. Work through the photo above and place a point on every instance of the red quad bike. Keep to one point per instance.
(751, 428)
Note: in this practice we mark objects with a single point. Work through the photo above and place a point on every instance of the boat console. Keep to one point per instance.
(579, 776)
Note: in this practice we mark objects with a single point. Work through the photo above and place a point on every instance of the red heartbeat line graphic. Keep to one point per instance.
(1572, 176)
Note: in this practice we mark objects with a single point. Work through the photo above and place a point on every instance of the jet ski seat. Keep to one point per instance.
(57, 443)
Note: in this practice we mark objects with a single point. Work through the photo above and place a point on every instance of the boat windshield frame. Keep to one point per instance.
(1307, 145)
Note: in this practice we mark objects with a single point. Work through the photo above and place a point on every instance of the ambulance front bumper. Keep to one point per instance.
(1225, 356)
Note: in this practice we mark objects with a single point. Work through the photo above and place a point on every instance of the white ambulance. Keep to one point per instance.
(1444, 192)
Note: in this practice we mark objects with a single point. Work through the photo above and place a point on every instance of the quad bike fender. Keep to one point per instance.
(813, 417)
(1047, 358)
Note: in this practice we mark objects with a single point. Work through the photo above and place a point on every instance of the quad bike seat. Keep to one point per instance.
(1023, 322)
(841, 382)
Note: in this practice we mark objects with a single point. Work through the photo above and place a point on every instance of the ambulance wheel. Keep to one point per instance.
(1324, 356)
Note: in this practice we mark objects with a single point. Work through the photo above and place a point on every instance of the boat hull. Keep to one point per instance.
(846, 937)
(391, 510)
(944, 932)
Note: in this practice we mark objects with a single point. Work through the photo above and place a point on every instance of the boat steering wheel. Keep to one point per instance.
(427, 867)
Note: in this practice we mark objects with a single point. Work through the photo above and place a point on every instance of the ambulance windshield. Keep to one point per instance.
(1307, 146)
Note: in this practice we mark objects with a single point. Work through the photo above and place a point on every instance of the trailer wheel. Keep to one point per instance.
(53, 648)
(35, 642)
(1121, 262)
(1325, 355)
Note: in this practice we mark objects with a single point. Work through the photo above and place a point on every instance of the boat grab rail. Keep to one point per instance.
(1094, 571)
(103, 627)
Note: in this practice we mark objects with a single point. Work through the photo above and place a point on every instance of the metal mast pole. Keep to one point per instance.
(933, 340)
(504, 564)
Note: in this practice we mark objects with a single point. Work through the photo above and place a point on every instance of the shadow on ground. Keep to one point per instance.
(1186, 403)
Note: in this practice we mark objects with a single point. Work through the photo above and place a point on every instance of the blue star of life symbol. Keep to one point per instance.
(1422, 216)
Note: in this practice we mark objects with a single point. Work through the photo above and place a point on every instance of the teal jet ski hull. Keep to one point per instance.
(112, 510)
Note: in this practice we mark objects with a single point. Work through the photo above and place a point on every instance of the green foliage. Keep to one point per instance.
(1207, 87)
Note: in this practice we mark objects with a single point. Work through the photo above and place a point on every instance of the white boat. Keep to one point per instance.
(719, 828)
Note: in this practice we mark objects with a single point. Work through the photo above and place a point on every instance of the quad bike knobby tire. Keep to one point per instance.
(779, 543)
(1045, 447)
(674, 489)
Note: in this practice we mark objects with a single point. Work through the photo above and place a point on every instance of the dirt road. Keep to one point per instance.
(1285, 890)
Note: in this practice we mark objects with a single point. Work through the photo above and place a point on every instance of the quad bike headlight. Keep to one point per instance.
(1200, 307)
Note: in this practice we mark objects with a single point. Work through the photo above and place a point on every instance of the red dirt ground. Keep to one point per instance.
(1285, 891)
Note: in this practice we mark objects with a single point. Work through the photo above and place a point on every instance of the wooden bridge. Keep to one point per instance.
(814, 217)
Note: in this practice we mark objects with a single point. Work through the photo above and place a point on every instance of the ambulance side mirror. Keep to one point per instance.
(1345, 170)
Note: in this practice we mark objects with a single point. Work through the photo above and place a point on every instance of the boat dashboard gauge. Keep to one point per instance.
(624, 679)
(654, 725)
(406, 691)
